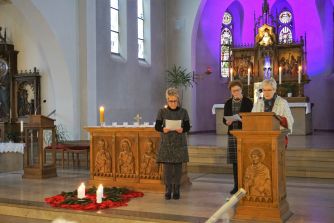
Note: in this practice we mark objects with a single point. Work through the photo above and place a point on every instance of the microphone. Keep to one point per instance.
(37, 107)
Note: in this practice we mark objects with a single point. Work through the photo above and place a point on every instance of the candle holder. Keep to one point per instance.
(21, 137)
(102, 124)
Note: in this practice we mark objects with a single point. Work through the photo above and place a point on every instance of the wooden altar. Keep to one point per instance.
(126, 156)
(261, 169)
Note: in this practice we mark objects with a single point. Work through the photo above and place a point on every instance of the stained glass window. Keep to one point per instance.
(226, 39)
(114, 26)
(285, 17)
(227, 19)
(140, 26)
(285, 36)
(285, 27)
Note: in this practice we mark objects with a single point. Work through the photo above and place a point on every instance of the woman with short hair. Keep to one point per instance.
(173, 147)
(271, 102)
(236, 104)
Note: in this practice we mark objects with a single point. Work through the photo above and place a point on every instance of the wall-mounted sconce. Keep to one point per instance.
(198, 77)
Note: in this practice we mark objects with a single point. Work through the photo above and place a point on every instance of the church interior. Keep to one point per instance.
(81, 82)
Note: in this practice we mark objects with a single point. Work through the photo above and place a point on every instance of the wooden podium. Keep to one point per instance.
(37, 131)
(261, 169)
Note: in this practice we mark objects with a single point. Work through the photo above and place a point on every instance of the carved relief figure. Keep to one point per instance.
(103, 158)
(126, 160)
(149, 160)
(257, 180)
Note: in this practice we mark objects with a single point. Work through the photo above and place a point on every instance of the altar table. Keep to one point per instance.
(11, 156)
(301, 112)
(126, 156)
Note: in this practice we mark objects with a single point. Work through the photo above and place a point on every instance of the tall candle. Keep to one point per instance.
(81, 191)
(248, 76)
(280, 75)
(21, 126)
(299, 74)
(99, 194)
(231, 74)
(101, 114)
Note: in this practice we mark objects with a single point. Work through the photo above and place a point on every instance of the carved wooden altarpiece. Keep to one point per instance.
(264, 58)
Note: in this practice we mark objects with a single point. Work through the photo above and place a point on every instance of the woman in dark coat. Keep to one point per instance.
(173, 147)
(236, 104)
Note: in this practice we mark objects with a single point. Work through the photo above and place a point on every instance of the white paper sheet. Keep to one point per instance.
(173, 124)
(233, 118)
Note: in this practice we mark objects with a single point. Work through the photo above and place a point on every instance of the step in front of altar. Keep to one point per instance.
(38, 212)
(306, 162)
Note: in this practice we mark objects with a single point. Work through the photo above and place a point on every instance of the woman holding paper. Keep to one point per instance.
(271, 102)
(233, 106)
(173, 123)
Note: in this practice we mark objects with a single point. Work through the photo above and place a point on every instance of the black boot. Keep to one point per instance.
(176, 191)
(168, 192)
(235, 177)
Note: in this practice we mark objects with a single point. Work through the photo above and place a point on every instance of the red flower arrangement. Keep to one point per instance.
(113, 197)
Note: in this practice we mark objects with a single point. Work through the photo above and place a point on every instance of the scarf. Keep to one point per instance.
(269, 104)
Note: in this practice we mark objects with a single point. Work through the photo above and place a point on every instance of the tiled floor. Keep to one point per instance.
(311, 200)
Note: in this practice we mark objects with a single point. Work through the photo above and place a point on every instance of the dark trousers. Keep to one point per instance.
(235, 175)
(173, 173)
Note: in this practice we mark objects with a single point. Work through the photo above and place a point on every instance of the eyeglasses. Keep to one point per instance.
(172, 101)
(236, 90)
(267, 90)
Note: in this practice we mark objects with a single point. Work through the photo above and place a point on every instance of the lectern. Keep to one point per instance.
(261, 169)
(39, 133)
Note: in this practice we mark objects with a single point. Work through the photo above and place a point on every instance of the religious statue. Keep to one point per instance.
(22, 101)
(126, 160)
(257, 180)
(266, 39)
(4, 95)
(148, 162)
(103, 158)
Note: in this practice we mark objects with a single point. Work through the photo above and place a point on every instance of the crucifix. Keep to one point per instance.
(137, 118)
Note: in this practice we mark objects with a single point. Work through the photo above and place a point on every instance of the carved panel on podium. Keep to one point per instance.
(257, 178)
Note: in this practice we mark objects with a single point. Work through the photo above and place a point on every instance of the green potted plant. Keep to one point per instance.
(179, 78)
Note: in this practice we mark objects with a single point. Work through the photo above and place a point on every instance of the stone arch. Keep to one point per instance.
(55, 65)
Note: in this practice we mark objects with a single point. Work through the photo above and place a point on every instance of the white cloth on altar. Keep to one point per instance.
(12, 147)
(215, 106)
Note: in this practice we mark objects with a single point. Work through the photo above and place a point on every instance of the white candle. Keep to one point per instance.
(81, 191)
(231, 74)
(21, 126)
(299, 74)
(248, 76)
(280, 75)
(99, 194)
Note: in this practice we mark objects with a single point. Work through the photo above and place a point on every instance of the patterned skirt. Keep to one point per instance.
(232, 149)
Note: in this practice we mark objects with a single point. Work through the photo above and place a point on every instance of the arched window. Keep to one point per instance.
(285, 27)
(114, 26)
(140, 22)
(226, 38)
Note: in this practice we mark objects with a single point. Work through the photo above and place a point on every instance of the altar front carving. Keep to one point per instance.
(126, 156)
